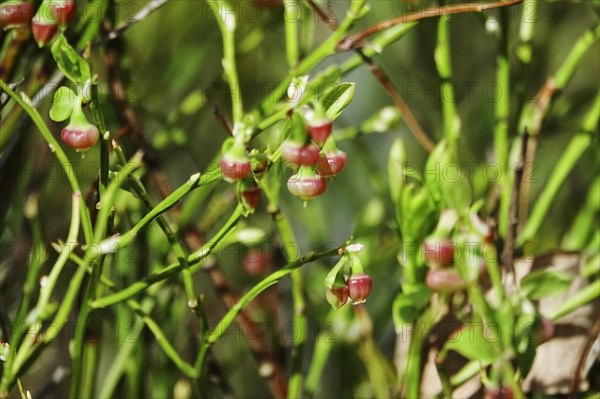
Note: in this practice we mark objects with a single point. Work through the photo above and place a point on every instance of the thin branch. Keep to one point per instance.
(356, 40)
(589, 343)
(508, 254)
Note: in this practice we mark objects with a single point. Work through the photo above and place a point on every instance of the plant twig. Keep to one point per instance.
(508, 253)
(225, 18)
(443, 63)
(291, 33)
(592, 336)
(502, 115)
(356, 40)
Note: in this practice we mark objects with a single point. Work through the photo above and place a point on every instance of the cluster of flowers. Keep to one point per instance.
(310, 147)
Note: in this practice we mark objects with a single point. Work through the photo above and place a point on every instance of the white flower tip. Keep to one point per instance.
(354, 248)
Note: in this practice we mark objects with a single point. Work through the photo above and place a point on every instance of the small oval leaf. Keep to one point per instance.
(337, 99)
(62, 104)
(75, 68)
(545, 283)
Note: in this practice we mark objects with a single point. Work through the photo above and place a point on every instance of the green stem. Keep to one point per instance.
(578, 145)
(162, 340)
(47, 289)
(32, 346)
(307, 30)
(193, 260)
(94, 18)
(90, 360)
(526, 30)
(119, 363)
(443, 61)
(494, 273)
(320, 355)
(195, 181)
(468, 371)
(225, 16)
(583, 296)
(299, 316)
(502, 114)
(413, 365)
(290, 20)
(567, 69)
(24, 102)
(141, 310)
(533, 113)
(585, 221)
(104, 138)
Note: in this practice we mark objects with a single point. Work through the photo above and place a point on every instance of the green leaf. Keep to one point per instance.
(62, 104)
(75, 68)
(544, 283)
(337, 99)
(473, 343)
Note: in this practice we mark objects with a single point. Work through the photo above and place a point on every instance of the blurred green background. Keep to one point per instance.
(176, 52)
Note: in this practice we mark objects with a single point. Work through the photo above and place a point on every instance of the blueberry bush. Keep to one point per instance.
(299, 198)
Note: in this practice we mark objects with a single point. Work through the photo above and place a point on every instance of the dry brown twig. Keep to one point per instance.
(508, 253)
